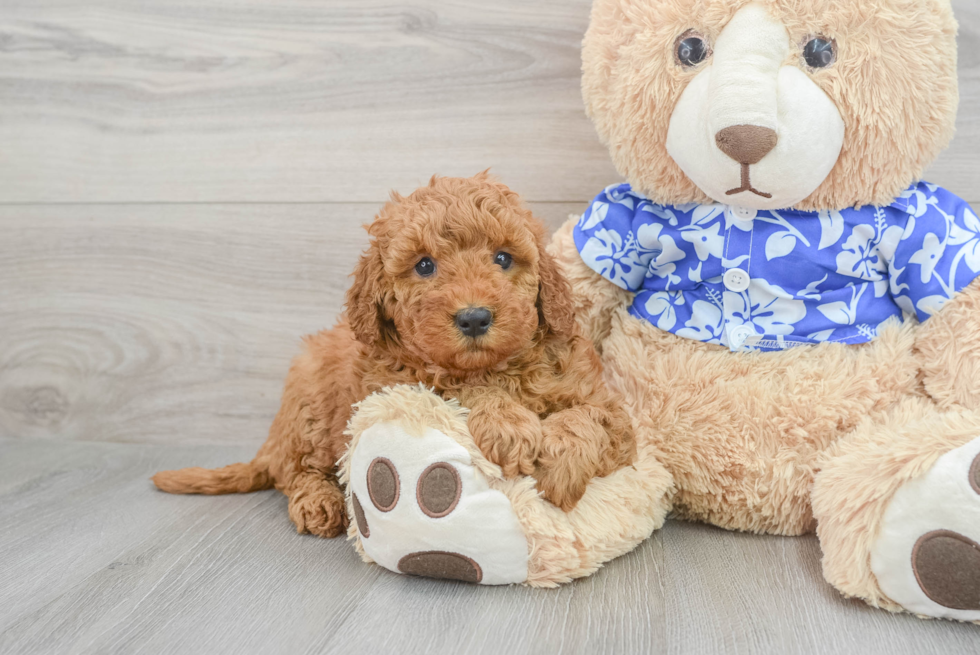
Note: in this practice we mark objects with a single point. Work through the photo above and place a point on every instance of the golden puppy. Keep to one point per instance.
(457, 292)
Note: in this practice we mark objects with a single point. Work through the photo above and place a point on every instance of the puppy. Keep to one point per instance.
(457, 292)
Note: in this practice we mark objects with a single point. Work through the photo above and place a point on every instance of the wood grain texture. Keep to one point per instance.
(97, 561)
(181, 190)
(316, 100)
(301, 100)
(169, 324)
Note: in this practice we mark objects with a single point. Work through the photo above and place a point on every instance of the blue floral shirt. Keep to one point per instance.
(770, 280)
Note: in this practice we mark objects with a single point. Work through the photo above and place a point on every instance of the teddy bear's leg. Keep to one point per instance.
(897, 504)
(426, 501)
(595, 298)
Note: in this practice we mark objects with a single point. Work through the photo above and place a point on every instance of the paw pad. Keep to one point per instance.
(947, 568)
(443, 565)
(383, 484)
(448, 524)
(362, 524)
(438, 490)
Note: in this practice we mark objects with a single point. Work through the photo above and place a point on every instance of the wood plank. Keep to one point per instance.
(958, 168)
(736, 592)
(96, 561)
(296, 101)
(171, 324)
(302, 100)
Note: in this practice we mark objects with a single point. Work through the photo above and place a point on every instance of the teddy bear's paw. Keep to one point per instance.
(422, 508)
(927, 554)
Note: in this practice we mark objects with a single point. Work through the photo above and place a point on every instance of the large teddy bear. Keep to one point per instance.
(791, 316)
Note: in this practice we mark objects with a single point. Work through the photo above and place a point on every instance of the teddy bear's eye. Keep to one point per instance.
(691, 49)
(819, 52)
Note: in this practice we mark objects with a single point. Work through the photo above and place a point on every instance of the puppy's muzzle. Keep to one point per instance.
(473, 322)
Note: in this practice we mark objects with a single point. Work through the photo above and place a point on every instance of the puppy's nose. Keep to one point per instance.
(474, 321)
(746, 144)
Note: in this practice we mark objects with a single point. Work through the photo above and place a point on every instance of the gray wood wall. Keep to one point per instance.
(182, 185)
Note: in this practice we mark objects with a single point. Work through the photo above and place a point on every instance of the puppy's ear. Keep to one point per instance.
(554, 297)
(366, 298)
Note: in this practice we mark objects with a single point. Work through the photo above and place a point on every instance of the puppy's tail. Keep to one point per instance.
(233, 479)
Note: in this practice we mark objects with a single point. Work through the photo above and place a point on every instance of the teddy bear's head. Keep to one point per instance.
(770, 104)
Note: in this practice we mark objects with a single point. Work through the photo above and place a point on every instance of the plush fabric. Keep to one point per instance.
(742, 433)
(894, 85)
(749, 54)
(943, 581)
(861, 474)
(816, 438)
(869, 437)
(501, 524)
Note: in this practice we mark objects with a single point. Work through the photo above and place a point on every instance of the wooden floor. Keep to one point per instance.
(181, 192)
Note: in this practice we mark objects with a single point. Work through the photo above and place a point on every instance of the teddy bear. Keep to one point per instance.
(790, 314)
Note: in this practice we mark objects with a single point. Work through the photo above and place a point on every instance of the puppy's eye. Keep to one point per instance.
(426, 267)
(819, 52)
(503, 260)
(691, 49)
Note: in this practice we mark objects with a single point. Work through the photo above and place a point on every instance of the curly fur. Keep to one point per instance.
(533, 386)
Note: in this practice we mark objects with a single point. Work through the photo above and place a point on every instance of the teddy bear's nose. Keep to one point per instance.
(746, 144)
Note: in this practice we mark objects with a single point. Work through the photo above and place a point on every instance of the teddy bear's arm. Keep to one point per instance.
(948, 346)
(595, 298)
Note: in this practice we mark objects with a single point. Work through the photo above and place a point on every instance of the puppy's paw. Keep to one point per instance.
(574, 448)
(509, 436)
(560, 485)
(319, 511)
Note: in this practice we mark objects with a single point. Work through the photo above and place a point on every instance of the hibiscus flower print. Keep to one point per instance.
(861, 254)
(707, 323)
(928, 256)
(866, 252)
(707, 241)
(770, 309)
(607, 254)
(812, 276)
(662, 306)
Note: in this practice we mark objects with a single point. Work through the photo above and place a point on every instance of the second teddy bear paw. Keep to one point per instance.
(422, 508)
(927, 554)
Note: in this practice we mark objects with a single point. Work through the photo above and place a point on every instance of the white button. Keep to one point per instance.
(736, 280)
(744, 214)
(737, 336)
